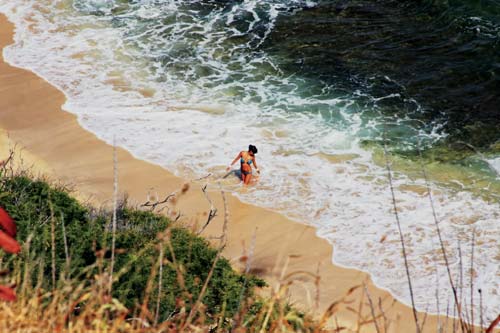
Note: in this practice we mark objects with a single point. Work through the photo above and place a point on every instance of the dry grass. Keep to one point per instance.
(85, 306)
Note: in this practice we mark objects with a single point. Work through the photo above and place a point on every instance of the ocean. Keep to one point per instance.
(328, 91)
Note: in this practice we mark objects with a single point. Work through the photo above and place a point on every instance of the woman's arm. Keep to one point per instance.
(255, 164)
(234, 161)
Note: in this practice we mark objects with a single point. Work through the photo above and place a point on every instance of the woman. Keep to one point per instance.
(247, 159)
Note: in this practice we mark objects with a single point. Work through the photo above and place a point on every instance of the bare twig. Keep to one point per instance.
(212, 213)
(204, 177)
(154, 204)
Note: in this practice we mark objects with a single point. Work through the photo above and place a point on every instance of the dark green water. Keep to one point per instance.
(445, 55)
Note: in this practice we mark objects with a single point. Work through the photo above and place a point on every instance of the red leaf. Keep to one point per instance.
(7, 294)
(8, 243)
(7, 223)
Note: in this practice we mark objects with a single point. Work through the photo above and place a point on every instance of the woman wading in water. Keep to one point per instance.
(247, 160)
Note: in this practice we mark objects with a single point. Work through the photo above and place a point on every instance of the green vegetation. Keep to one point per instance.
(35, 206)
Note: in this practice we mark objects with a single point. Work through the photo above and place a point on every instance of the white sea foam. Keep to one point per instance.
(495, 164)
(193, 124)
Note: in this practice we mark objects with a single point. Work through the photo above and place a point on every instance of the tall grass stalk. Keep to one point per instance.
(160, 279)
(493, 324)
(463, 323)
(481, 321)
(248, 265)
(441, 243)
(275, 298)
(115, 206)
(472, 280)
(396, 215)
(222, 244)
(447, 316)
(439, 326)
(53, 242)
(145, 315)
(372, 308)
(66, 247)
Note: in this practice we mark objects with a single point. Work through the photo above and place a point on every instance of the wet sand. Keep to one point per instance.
(54, 143)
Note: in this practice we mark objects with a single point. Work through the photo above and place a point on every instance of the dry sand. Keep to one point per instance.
(53, 141)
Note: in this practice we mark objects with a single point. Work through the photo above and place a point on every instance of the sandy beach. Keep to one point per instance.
(52, 141)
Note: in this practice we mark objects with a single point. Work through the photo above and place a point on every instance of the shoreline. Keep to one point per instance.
(53, 139)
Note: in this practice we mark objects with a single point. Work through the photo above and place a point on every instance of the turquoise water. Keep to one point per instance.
(314, 84)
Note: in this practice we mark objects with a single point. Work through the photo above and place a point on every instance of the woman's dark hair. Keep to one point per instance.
(253, 149)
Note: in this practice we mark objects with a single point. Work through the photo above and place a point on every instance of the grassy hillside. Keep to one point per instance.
(164, 276)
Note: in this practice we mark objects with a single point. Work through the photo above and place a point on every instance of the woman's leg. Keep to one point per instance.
(247, 179)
